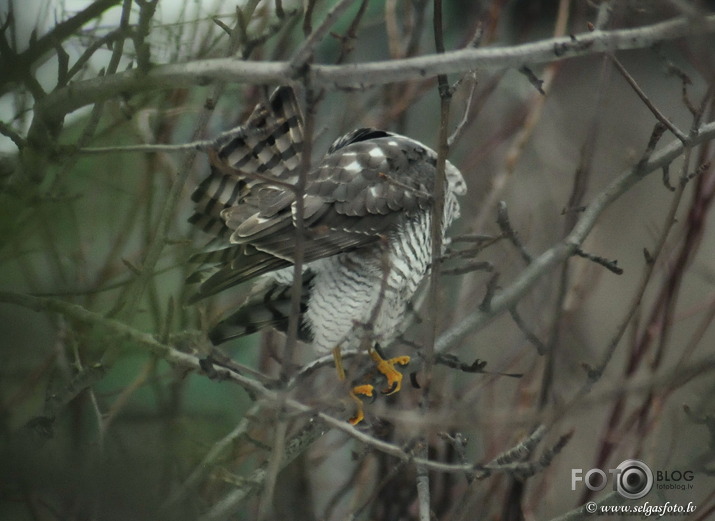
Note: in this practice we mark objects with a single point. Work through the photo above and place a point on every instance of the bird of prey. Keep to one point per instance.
(366, 240)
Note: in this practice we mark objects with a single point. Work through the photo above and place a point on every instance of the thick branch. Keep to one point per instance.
(54, 106)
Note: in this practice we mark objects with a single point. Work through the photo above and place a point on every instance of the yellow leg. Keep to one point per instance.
(365, 390)
(337, 357)
(387, 367)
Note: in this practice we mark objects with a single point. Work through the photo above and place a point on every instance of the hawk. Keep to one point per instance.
(367, 211)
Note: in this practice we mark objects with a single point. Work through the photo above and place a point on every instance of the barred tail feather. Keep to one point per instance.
(270, 141)
(268, 307)
(215, 193)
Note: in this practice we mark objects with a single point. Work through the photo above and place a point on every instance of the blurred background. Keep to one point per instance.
(95, 426)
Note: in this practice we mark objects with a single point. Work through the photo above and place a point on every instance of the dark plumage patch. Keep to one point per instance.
(357, 135)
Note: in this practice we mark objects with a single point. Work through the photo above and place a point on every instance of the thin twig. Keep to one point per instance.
(125, 395)
(610, 265)
(537, 103)
(646, 100)
(295, 315)
(436, 240)
(9, 71)
(465, 114)
(660, 321)
(206, 464)
(203, 144)
(580, 513)
(7, 130)
(509, 232)
(530, 336)
(98, 109)
(91, 49)
(535, 81)
(346, 46)
(294, 446)
(469, 267)
(305, 52)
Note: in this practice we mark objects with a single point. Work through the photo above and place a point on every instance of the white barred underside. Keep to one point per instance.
(352, 297)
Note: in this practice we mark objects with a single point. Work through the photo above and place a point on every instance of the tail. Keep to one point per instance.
(271, 141)
(268, 306)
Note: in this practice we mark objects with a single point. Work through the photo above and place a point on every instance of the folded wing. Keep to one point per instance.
(367, 184)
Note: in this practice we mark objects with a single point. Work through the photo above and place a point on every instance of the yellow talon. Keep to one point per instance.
(365, 390)
(359, 415)
(387, 367)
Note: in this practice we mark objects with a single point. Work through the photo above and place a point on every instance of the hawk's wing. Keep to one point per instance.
(368, 182)
(270, 144)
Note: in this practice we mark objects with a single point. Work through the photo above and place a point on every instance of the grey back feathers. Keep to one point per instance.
(367, 215)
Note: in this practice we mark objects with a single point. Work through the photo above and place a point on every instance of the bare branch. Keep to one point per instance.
(610, 265)
(465, 114)
(305, 52)
(293, 446)
(530, 336)
(181, 147)
(57, 104)
(7, 130)
(509, 232)
(564, 249)
(646, 100)
(10, 71)
(579, 513)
